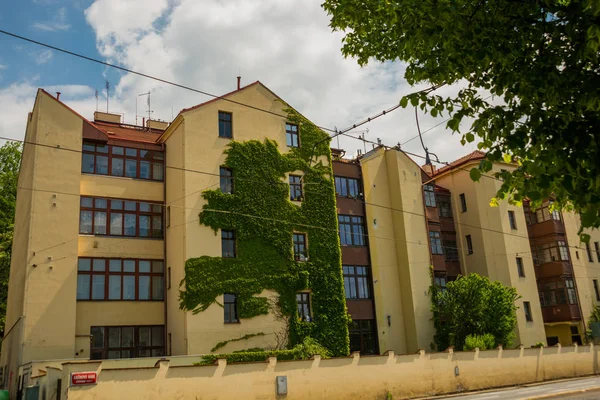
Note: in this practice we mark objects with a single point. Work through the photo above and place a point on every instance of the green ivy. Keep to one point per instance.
(264, 219)
(225, 342)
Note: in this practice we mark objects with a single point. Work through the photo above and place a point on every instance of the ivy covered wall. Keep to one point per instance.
(264, 218)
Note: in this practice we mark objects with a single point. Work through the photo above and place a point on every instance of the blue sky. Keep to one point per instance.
(286, 44)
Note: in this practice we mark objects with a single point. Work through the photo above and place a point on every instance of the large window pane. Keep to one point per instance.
(157, 288)
(114, 287)
(144, 266)
(99, 265)
(144, 226)
(131, 168)
(98, 287)
(156, 226)
(114, 265)
(144, 288)
(129, 225)
(157, 171)
(127, 336)
(116, 168)
(85, 222)
(157, 267)
(114, 337)
(145, 169)
(102, 165)
(87, 202)
(116, 223)
(97, 333)
(87, 163)
(128, 265)
(83, 287)
(157, 336)
(84, 264)
(128, 287)
(144, 336)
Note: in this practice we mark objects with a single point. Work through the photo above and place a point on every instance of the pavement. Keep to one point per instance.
(571, 389)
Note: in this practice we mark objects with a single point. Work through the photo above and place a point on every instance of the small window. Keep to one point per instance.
(230, 308)
(597, 289)
(571, 294)
(440, 281)
(303, 301)
(225, 130)
(436, 243)
(228, 244)
(291, 135)
(469, 244)
(226, 180)
(520, 267)
(527, 309)
(300, 247)
(512, 220)
(445, 206)
(352, 232)
(564, 251)
(463, 202)
(428, 190)
(356, 282)
(295, 188)
(597, 246)
(589, 252)
(346, 187)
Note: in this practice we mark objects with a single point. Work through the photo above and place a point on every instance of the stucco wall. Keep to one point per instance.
(342, 378)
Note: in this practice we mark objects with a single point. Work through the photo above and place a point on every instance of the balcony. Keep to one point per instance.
(554, 268)
(561, 313)
(546, 228)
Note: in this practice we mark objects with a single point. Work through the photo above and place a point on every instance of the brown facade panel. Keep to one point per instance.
(361, 309)
(546, 228)
(453, 268)
(349, 170)
(447, 225)
(348, 206)
(355, 255)
(433, 214)
(439, 262)
(561, 313)
(553, 269)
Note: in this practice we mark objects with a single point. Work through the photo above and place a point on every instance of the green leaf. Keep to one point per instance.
(507, 158)
(404, 102)
(475, 174)
(470, 137)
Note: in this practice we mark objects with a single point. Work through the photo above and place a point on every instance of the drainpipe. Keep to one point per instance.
(165, 265)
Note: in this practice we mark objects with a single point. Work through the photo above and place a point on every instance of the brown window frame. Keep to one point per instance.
(136, 350)
(232, 306)
(109, 211)
(361, 332)
(303, 306)
(296, 192)
(444, 206)
(555, 251)
(289, 132)
(350, 222)
(450, 249)
(441, 281)
(347, 185)
(107, 273)
(596, 289)
(512, 220)
(463, 202)
(300, 246)
(355, 280)
(155, 157)
(469, 244)
(233, 239)
(435, 243)
(226, 122)
(429, 194)
(226, 181)
(520, 267)
(527, 311)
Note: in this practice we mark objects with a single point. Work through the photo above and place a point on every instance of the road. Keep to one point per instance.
(589, 387)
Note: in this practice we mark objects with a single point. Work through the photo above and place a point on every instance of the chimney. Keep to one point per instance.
(239, 82)
(107, 117)
(429, 169)
(155, 124)
(57, 95)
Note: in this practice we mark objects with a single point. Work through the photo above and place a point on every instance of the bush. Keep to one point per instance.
(481, 342)
(538, 345)
(302, 351)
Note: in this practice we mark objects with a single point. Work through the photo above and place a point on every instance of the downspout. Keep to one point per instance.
(165, 265)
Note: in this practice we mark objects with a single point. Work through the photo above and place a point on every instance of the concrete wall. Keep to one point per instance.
(353, 377)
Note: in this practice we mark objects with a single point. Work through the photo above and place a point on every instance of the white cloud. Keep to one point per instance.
(57, 23)
(42, 57)
(2, 66)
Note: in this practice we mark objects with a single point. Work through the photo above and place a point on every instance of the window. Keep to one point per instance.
(520, 267)
(291, 135)
(429, 195)
(295, 188)
(228, 244)
(110, 342)
(115, 217)
(303, 302)
(300, 253)
(463, 202)
(597, 290)
(435, 242)
(450, 250)
(549, 252)
(445, 206)
(356, 282)
(527, 309)
(346, 187)
(543, 214)
(440, 281)
(469, 244)
(230, 308)
(120, 279)
(589, 252)
(105, 159)
(512, 220)
(351, 230)
(597, 246)
(571, 295)
(226, 180)
(225, 130)
(363, 336)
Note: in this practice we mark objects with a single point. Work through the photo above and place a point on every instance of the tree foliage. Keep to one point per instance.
(538, 57)
(473, 306)
(10, 159)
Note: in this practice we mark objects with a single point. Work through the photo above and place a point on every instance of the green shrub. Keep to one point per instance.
(481, 342)
(538, 344)
(302, 351)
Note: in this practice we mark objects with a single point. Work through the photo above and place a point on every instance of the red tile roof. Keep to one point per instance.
(476, 155)
(131, 133)
(219, 98)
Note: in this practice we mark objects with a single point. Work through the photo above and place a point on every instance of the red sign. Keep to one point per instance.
(83, 378)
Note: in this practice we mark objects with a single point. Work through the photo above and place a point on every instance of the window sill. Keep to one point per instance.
(225, 137)
(353, 245)
(232, 323)
(361, 299)
(124, 177)
(115, 301)
(119, 236)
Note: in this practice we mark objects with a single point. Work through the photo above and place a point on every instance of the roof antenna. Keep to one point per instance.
(107, 88)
